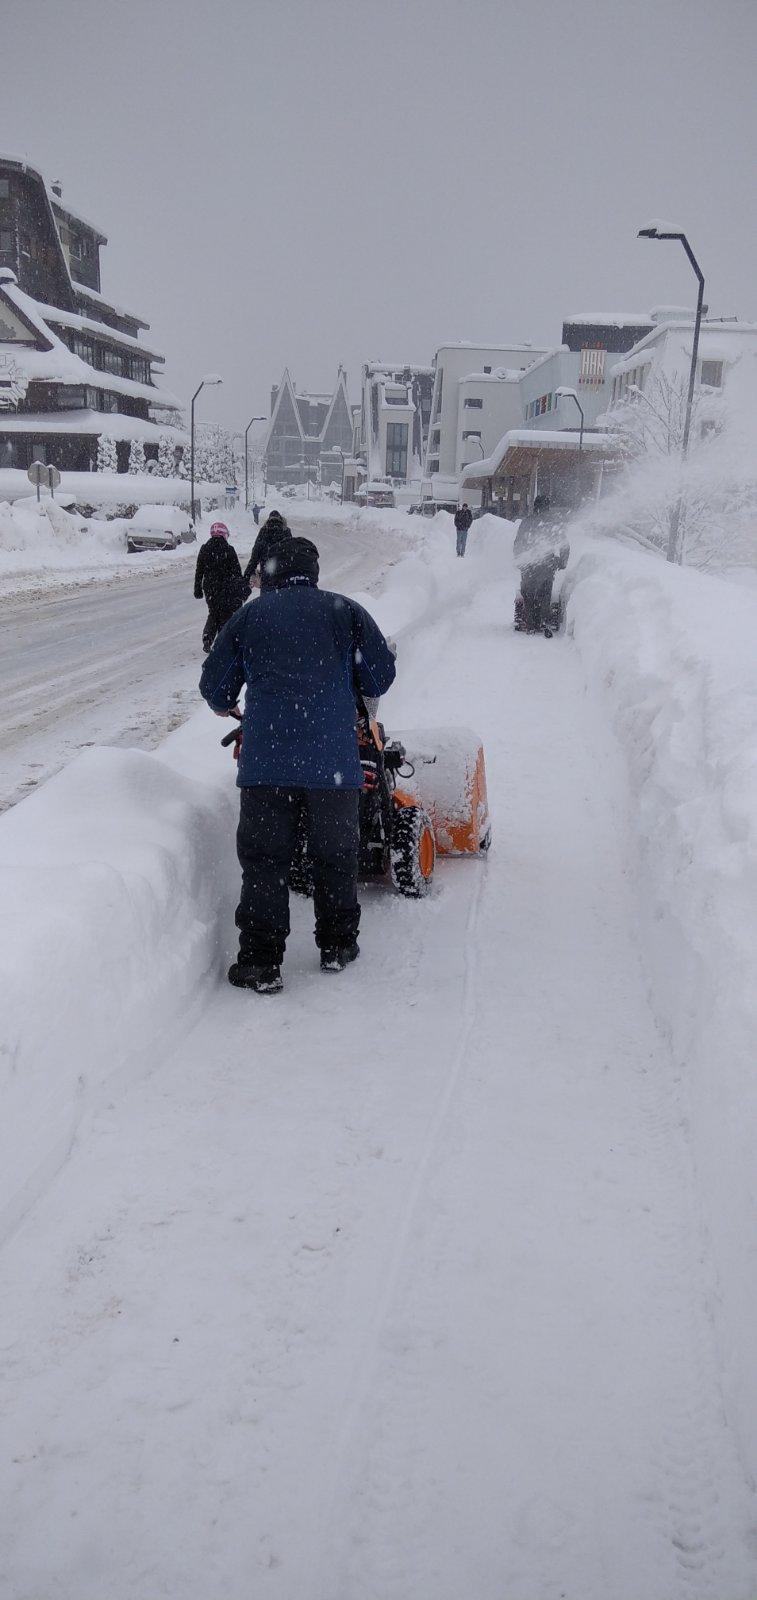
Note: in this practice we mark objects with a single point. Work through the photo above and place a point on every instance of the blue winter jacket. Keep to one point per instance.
(302, 652)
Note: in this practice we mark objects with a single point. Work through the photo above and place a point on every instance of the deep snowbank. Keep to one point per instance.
(119, 876)
(676, 654)
(114, 876)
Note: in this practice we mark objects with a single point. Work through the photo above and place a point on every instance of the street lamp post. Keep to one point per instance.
(657, 230)
(209, 379)
(246, 479)
(570, 394)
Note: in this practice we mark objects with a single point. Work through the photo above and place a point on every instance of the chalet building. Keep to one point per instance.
(306, 433)
(72, 365)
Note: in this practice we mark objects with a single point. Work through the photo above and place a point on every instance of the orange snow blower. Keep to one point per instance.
(423, 796)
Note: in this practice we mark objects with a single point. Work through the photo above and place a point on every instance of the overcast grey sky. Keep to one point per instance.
(307, 181)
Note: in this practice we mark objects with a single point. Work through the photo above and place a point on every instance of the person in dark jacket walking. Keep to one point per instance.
(256, 510)
(463, 520)
(540, 549)
(303, 654)
(218, 580)
(273, 531)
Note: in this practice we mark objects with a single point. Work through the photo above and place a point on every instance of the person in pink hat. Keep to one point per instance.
(218, 581)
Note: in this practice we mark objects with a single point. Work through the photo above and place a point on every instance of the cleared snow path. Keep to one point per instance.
(394, 1286)
(117, 661)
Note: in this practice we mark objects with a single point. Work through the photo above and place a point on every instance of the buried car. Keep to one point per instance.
(158, 528)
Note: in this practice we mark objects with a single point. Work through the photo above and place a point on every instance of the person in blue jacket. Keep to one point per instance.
(303, 654)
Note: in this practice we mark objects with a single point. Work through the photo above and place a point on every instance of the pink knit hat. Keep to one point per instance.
(219, 530)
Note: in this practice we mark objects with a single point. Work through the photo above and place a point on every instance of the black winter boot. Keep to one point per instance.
(264, 980)
(336, 958)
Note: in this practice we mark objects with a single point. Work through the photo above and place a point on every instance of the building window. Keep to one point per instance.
(5, 188)
(6, 242)
(473, 405)
(396, 450)
(712, 374)
(592, 369)
(112, 361)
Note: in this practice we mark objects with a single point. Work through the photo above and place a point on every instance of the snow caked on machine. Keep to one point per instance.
(423, 796)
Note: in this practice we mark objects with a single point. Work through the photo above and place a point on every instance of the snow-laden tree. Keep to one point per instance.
(664, 495)
(107, 455)
(166, 457)
(136, 456)
(213, 453)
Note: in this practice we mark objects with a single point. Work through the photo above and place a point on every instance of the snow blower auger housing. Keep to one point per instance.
(423, 796)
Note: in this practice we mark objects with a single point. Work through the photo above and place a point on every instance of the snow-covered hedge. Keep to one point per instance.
(675, 652)
(118, 878)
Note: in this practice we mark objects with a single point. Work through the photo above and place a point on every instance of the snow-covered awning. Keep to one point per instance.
(522, 444)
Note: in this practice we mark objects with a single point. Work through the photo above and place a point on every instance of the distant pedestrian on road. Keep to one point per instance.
(256, 510)
(304, 654)
(273, 532)
(463, 520)
(218, 581)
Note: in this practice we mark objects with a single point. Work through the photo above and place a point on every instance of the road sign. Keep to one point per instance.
(43, 476)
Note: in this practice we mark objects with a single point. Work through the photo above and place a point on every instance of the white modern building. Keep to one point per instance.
(392, 430)
(474, 402)
(726, 375)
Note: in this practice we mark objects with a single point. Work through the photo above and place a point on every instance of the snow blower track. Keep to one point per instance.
(395, 1286)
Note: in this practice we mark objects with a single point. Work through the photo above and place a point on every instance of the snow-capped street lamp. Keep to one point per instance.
(246, 440)
(570, 394)
(209, 379)
(662, 230)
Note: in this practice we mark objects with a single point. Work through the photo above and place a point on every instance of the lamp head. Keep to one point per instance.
(212, 377)
(563, 393)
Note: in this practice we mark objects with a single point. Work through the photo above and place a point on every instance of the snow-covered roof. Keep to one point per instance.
(59, 204)
(102, 300)
(388, 368)
(533, 439)
(59, 364)
(467, 344)
(499, 375)
(112, 423)
(611, 319)
(73, 319)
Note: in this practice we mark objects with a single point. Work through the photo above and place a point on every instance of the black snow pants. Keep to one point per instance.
(536, 589)
(219, 612)
(269, 819)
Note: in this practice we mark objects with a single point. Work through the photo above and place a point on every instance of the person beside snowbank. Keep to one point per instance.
(274, 531)
(303, 654)
(463, 520)
(540, 549)
(218, 580)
